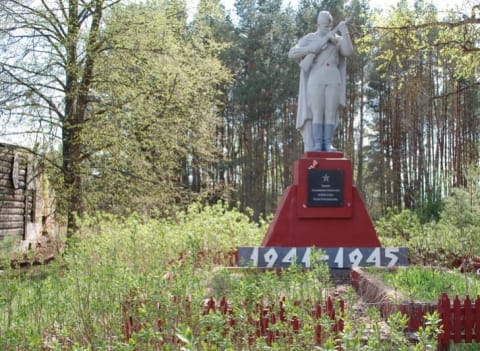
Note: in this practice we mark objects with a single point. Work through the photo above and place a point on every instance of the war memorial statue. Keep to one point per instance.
(322, 209)
(322, 87)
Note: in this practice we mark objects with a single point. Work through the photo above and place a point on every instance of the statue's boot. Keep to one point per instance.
(328, 138)
(317, 137)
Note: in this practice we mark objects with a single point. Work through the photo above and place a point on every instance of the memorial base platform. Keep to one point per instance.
(322, 208)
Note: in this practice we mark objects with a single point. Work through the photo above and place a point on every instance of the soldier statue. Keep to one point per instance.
(322, 81)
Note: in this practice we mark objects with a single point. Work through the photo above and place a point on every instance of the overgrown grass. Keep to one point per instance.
(78, 300)
(465, 347)
(166, 269)
(427, 283)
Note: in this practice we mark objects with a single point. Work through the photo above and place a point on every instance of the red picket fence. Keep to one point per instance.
(460, 320)
(270, 315)
(415, 312)
(265, 322)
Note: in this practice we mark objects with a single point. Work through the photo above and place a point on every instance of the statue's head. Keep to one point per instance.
(324, 21)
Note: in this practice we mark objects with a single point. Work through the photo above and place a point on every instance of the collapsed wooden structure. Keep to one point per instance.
(26, 208)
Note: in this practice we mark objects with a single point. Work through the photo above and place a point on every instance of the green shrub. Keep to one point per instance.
(79, 300)
(162, 271)
(450, 241)
(399, 227)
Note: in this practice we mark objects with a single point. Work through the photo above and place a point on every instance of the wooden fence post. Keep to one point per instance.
(468, 319)
(444, 312)
(477, 319)
(456, 325)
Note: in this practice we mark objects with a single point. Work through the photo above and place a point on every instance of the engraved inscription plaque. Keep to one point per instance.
(325, 188)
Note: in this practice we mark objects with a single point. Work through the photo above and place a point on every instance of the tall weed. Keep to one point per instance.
(161, 272)
(79, 300)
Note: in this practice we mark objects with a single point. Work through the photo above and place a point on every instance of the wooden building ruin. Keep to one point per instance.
(26, 214)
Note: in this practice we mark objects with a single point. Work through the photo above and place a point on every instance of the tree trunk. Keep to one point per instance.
(77, 87)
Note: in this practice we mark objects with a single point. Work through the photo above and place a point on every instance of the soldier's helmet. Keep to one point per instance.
(324, 19)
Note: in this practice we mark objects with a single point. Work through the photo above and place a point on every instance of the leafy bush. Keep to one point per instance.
(164, 270)
(79, 299)
(399, 227)
(450, 241)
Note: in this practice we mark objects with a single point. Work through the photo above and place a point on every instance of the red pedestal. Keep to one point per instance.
(322, 208)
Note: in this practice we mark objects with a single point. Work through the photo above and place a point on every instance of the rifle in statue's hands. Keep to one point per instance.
(319, 45)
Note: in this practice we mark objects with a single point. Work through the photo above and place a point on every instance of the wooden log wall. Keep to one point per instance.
(16, 195)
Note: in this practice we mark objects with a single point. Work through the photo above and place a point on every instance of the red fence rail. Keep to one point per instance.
(416, 313)
(265, 319)
(460, 320)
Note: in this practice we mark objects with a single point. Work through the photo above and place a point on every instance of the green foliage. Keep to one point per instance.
(151, 120)
(79, 300)
(402, 44)
(421, 61)
(427, 283)
(151, 133)
(8, 246)
(263, 143)
(453, 239)
(460, 217)
(397, 323)
(427, 334)
(163, 270)
(386, 336)
(389, 335)
(429, 206)
(398, 226)
(465, 346)
(458, 51)
(152, 116)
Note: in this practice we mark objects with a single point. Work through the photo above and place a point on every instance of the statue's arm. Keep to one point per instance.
(301, 49)
(346, 46)
(297, 53)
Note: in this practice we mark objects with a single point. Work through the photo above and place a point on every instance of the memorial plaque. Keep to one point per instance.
(335, 257)
(325, 188)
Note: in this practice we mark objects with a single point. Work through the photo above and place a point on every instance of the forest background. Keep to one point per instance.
(144, 107)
